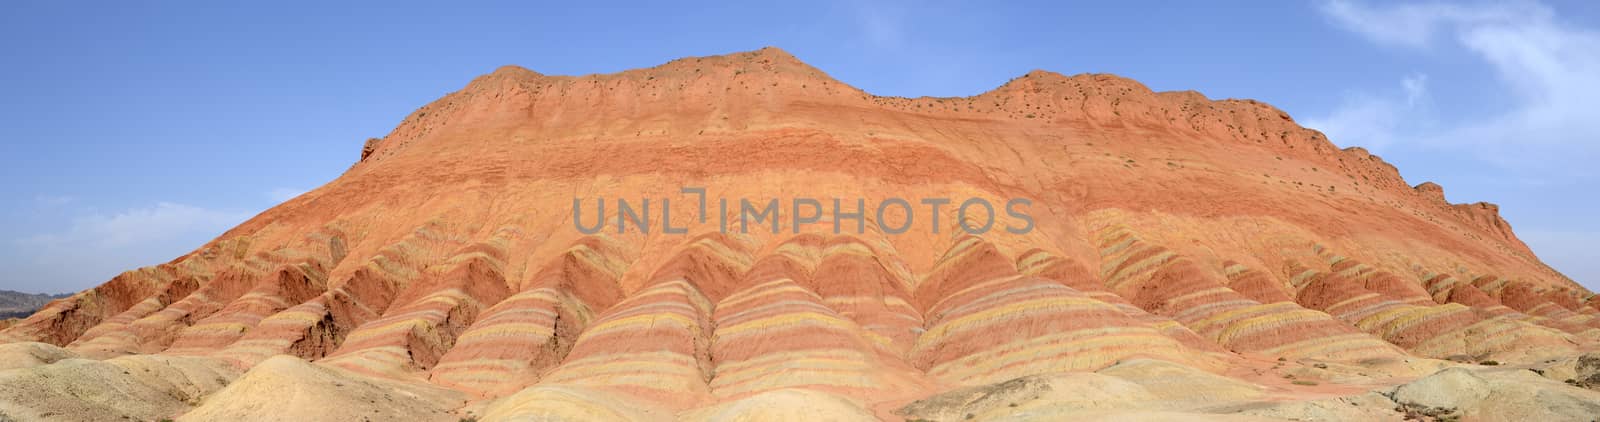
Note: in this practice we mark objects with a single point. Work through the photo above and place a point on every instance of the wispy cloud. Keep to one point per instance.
(1540, 138)
(1375, 121)
(136, 226)
(1418, 25)
(1416, 87)
(97, 246)
(1549, 68)
(284, 194)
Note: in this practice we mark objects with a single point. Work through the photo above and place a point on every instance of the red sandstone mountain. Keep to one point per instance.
(1174, 235)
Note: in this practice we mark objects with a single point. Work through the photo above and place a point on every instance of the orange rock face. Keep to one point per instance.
(1160, 225)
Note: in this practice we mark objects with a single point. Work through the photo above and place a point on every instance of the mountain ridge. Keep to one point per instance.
(778, 61)
(1170, 234)
(1095, 104)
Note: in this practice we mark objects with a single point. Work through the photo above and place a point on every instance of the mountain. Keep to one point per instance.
(20, 305)
(1155, 252)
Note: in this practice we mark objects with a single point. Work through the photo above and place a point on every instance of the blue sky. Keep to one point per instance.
(132, 133)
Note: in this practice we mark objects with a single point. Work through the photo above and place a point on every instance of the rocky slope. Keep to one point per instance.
(1186, 255)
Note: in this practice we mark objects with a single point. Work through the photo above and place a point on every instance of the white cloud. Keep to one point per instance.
(1417, 24)
(280, 195)
(137, 226)
(95, 247)
(1374, 122)
(1549, 68)
(1416, 87)
(1554, 72)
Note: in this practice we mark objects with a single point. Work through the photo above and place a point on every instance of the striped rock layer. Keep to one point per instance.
(1163, 226)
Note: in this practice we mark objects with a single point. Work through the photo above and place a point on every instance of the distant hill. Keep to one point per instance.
(20, 305)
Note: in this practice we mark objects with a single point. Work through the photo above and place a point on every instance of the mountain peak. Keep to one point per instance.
(761, 87)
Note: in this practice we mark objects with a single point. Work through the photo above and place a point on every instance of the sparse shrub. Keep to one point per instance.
(1304, 382)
